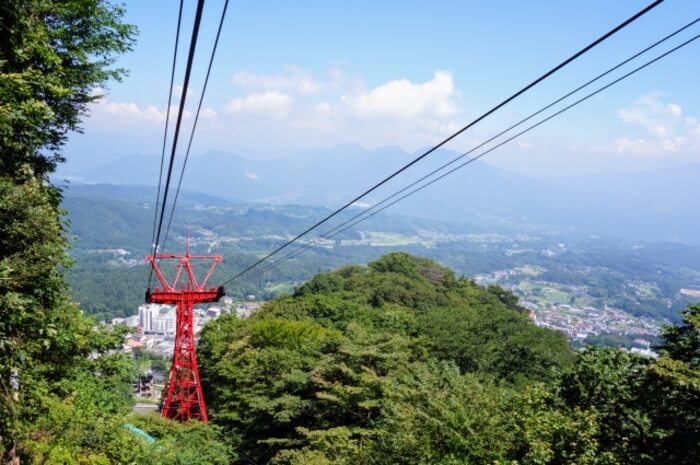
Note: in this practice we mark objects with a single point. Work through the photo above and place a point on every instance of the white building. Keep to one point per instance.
(131, 321)
(157, 319)
(246, 309)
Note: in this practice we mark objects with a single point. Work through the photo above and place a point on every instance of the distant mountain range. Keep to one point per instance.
(652, 206)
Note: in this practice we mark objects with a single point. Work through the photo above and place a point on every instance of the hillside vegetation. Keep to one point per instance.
(65, 391)
(642, 280)
(401, 362)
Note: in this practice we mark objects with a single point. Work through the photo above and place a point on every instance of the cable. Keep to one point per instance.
(196, 119)
(448, 139)
(473, 159)
(167, 120)
(181, 109)
(327, 234)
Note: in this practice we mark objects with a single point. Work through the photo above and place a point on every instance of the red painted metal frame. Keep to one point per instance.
(183, 399)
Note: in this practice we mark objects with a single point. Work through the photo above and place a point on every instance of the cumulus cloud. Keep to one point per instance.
(207, 113)
(273, 103)
(664, 128)
(398, 112)
(291, 79)
(403, 99)
(130, 112)
(130, 109)
(653, 115)
(177, 91)
(312, 110)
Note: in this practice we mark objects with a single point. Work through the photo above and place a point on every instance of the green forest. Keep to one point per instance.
(65, 393)
(603, 269)
(400, 361)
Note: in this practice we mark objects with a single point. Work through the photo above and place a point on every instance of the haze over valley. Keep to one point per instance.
(656, 205)
(600, 276)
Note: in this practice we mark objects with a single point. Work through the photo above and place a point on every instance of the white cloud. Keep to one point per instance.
(646, 146)
(674, 109)
(274, 104)
(361, 204)
(132, 110)
(208, 113)
(291, 79)
(663, 126)
(403, 99)
(131, 113)
(250, 175)
(692, 125)
(310, 110)
(177, 91)
(323, 110)
(397, 112)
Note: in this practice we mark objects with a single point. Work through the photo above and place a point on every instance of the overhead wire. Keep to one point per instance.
(532, 84)
(181, 109)
(350, 223)
(167, 121)
(328, 234)
(196, 119)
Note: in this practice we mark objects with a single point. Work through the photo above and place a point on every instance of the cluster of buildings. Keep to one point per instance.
(581, 322)
(153, 328)
(555, 308)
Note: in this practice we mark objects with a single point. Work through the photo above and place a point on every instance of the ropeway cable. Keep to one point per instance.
(167, 122)
(181, 109)
(454, 135)
(194, 125)
(331, 234)
(328, 234)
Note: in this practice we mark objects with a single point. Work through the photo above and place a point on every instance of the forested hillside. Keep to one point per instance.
(110, 228)
(401, 362)
(65, 391)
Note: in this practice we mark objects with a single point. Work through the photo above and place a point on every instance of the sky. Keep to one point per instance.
(294, 76)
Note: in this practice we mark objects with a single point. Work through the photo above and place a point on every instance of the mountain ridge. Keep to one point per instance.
(645, 205)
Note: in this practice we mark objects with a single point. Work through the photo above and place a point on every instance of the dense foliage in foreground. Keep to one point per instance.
(402, 362)
(64, 392)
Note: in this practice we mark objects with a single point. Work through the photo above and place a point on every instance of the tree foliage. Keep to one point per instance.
(54, 58)
(65, 395)
(403, 362)
(363, 365)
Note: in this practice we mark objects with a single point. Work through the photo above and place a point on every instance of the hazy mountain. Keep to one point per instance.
(656, 205)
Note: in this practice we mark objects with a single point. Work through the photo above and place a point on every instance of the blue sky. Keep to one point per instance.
(298, 75)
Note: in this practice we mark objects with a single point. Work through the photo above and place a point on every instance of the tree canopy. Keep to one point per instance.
(404, 362)
(65, 394)
(55, 58)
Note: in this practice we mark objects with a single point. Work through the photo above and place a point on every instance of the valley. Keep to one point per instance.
(584, 285)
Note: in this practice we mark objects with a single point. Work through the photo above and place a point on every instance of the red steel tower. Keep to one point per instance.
(183, 399)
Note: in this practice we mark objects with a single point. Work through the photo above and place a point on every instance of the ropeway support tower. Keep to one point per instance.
(184, 400)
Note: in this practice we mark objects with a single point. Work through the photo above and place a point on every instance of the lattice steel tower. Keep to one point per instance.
(183, 399)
